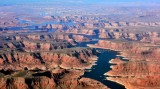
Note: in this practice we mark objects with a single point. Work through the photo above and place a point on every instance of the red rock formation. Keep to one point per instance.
(116, 61)
(141, 71)
(59, 78)
(79, 38)
(81, 31)
(79, 58)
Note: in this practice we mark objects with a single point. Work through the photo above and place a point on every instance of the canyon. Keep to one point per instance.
(72, 47)
(45, 61)
(139, 67)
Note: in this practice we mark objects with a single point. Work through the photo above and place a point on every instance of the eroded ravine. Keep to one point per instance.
(97, 72)
(102, 66)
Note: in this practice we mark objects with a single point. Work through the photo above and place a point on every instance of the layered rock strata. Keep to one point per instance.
(140, 67)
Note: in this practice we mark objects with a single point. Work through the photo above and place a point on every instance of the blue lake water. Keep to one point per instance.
(97, 71)
(34, 24)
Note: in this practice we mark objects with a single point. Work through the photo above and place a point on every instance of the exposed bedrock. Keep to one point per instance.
(152, 37)
(140, 70)
(81, 31)
(69, 58)
(55, 79)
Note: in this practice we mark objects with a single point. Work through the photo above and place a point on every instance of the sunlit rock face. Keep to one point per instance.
(75, 58)
(149, 36)
(57, 78)
(38, 44)
(45, 61)
(81, 31)
(45, 52)
(140, 70)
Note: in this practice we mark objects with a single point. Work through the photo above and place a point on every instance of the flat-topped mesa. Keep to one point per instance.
(126, 34)
(136, 74)
(45, 37)
(39, 42)
(143, 53)
(71, 38)
(131, 24)
(118, 33)
(78, 58)
(131, 50)
(55, 26)
(135, 68)
(36, 79)
(152, 37)
(80, 38)
(38, 37)
(81, 31)
(45, 46)
(31, 46)
(116, 61)
(115, 44)
(142, 66)
(145, 82)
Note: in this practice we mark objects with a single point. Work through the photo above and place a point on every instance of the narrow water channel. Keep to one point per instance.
(97, 71)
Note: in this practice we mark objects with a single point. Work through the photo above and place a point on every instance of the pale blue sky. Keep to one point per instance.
(78, 1)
